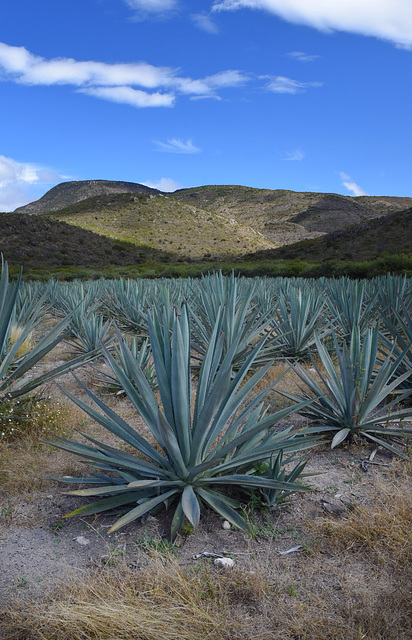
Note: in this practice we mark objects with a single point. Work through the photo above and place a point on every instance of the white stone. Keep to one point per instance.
(82, 540)
(226, 525)
(227, 563)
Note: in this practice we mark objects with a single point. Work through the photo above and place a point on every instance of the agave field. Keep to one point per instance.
(195, 360)
(221, 335)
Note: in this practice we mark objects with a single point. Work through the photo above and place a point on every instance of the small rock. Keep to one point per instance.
(227, 563)
(82, 540)
(226, 525)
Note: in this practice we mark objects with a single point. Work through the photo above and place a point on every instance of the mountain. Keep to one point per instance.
(68, 193)
(391, 234)
(38, 242)
(98, 223)
(284, 216)
(164, 223)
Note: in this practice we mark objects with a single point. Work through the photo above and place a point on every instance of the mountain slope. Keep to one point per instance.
(288, 216)
(366, 241)
(39, 242)
(68, 193)
(163, 223)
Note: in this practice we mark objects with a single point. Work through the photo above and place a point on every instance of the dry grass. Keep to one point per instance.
(164, 601)
(27, 345)
(26, 463)
(318, 597)
(385, 528)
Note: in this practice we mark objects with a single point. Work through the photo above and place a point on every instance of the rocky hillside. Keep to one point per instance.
(68, 193)
(284, 216)
(391, 234)
(165, 224)
(125, 223)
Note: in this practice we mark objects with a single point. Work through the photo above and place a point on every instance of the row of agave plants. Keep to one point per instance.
(215, 443)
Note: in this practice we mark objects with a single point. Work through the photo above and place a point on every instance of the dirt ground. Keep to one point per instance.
(38, 548)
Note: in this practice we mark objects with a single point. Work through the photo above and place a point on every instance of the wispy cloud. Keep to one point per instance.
(164, 184)
(152, 6)
(138, 84)
(294, 156)
(174, 145)
(387, 19)
(130, 96)
(281, 84)
(204, 22)
(21, 181)
(300, 56)
(351, 186)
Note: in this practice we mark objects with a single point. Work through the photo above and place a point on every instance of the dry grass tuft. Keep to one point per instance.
(385, 528)
(32, 417)
(164, 601)
(27, 345)
(26, 463)
(316, 598)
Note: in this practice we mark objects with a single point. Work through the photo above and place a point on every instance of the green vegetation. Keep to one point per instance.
(356, 398)
(163, 224)
(202, 453)
(211, 440)
(14, 365)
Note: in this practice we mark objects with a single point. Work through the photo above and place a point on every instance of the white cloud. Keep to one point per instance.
(130, 96)
(204, 22)
(301, 56)
(164, 184)
(281, 84)
(20, 182)
(100, 79)
(174, 145)
(294, 156)
(231, 78)
(351, 186)
(387, 19)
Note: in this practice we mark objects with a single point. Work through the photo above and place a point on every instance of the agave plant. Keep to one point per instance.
(90, 332)
(357, 397)
(126, 302)
(141, 356)
(202, 450)
(230, 299)
(276, 471)
(398, 341)
(14, 368)
(298, 316)
(351, 304)
(394, 296)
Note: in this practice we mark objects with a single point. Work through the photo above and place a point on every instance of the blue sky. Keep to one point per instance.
(307, 95)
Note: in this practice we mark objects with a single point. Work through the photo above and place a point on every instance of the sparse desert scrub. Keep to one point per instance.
(26, 464)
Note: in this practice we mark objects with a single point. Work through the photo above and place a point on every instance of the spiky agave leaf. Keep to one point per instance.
(298, 315)
(230, 299)
(357, 396)
(13, 368)
(201, 452)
